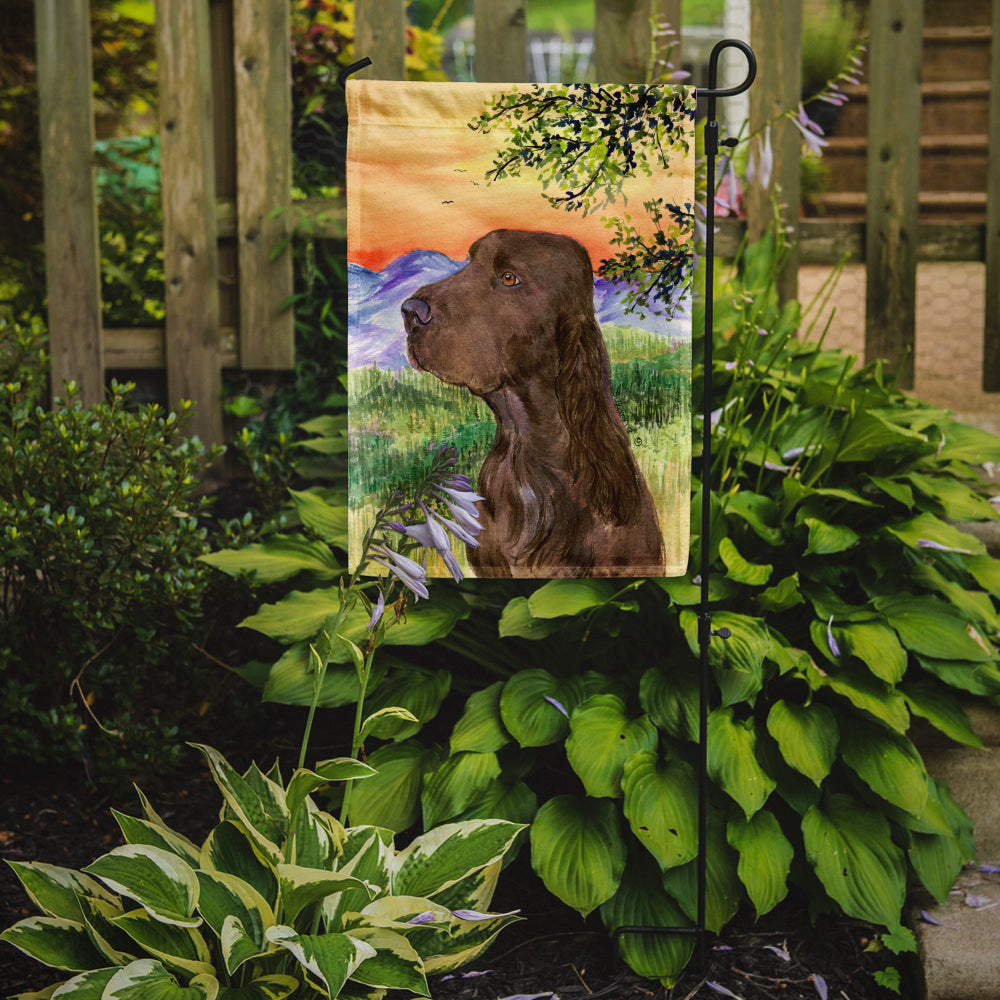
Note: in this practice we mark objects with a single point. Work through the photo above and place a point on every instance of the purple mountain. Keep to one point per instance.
(376, 325)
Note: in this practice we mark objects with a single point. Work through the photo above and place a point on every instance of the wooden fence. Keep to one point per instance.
(226, 161)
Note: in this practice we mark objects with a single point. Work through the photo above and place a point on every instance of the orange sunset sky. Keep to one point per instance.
(416, 177)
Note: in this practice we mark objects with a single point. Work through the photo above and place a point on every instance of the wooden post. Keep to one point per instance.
(261, 42)
(380, 34)
(190, 254)
(72, 255)
(501, 41)
(893, 183)
(622, 40)
(991, 334)
(776, 35)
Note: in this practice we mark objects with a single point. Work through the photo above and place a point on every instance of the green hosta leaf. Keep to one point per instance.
(260, 809)
(177, 947)
(291, 680)
(415, 689)
(986, 571)
(850, 847)
(751, 574)
(578, 851)
(517, 620)
(559, 598)
(395, 964)
(279, 558)
(225, 897)
(870, 436)
(976, 678)
(957, 501)
(56, 891)
(54, 941)
(738, 661)
(937, 859)
(941, 709)
(147, 979)
(828, 539)
(732, 760)
(456, 784)
(765, 858)
(807, 736)
(330, 959)
(783, 595)
(723, 889)
(888, 763)
(965, 443)
(530, 706)
(301, 887)
(440, 858)
(274, 987)
(661, 798)
(391, 798)
(327, 520)
(641, 901)
(864, 692)
(481, 728)
(230, 849)
(671, 699)
(602, 738)
(141, 831)
(163, 884)
(976, 605)
(684, 592)
(758, 511)
(516, 803)
(931, 628)
(876, 646)
(928, 528)
(893, 488)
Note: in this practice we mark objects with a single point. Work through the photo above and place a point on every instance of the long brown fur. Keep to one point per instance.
(563, 493)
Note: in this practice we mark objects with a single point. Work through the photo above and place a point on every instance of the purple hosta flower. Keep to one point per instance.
(410, 573)
(558, 705)
(377, 611)
(427, 917)
(760, 165)
(989, 869)
(780, 952)
(431, 535)
(475, 915)
(812, 134)
(834, 648)
(820, 984)
(727, 198)
(927, 543)
(719, 988)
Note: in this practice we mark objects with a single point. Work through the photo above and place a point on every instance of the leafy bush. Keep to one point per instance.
(99, 539)
(279, 899)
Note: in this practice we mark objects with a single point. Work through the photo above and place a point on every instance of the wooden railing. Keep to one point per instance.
(226, 160)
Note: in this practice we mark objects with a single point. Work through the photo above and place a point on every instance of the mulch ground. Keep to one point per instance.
(551, 953)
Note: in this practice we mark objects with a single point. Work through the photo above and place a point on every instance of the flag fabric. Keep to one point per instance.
(519, 269)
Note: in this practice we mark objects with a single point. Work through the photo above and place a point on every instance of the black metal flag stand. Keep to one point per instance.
(705, 631)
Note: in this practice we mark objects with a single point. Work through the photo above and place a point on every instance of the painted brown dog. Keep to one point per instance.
(564, 496)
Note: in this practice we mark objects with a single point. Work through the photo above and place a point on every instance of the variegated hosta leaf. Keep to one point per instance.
(149, 980)
(850, 847)
(56, 891)
(225, 897)
(274, 987)
(54, 941)
(642, 902)
(367, 853)
(177, 947)
(256, 801)
(481, 727)
(467, 940)
(456, 784)
(765, 858)
(86, 986)
(441, 857)
(807, 736)
(395, 964)
(230, 849)
(475, 891)
(661, 799)
(578, 851)
(304, 782)
(602, 737)
(141, 831)
(116, 947)
(158, 880)
(300, 887)
(328, 959)
(315, 838)
(732, 760)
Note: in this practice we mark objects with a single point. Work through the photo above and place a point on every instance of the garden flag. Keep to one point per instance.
(519, 261)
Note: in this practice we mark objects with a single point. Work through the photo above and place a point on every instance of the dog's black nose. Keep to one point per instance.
(417, 311)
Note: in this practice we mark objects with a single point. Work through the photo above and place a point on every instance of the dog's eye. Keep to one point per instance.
(509, 278)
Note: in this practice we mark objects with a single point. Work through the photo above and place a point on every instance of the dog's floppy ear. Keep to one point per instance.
(599, 456)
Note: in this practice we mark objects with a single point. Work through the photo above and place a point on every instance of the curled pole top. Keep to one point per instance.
(712, 91)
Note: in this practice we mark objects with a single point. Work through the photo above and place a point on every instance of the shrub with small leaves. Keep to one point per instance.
(99, 574)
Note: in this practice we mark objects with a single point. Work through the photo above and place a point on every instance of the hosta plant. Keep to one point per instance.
(279, 900)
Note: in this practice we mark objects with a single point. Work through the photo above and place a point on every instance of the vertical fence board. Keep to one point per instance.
(261, 42)
(72, 257)
(776, 35)
(190, 254)
(380, 34)
(621, 40)
(501, 41)
(991, 333)
(893, 183)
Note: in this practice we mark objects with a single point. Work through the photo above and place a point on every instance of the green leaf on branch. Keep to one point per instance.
(481, 726)
(739, 569)
(765, 858)
(732, 760)
(807, 736)
(535, 706)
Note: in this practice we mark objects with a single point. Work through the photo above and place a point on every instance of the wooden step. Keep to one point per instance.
(957, 206)
(947, 162)
(956, 53)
